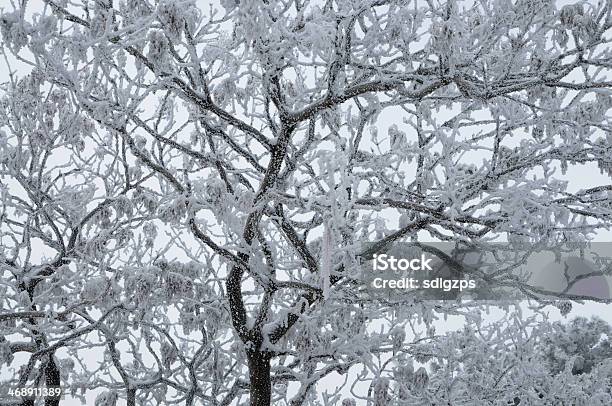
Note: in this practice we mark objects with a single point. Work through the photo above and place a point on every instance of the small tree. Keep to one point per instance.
(516, 362)
(191, 188)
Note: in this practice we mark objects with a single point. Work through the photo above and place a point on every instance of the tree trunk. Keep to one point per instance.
(52, 380)
(259, 379)
(131, 397)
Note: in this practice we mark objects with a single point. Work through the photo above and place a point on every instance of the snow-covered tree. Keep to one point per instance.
(187, 191)
(514, 362)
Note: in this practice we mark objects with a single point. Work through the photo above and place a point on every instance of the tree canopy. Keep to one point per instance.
(187, 189)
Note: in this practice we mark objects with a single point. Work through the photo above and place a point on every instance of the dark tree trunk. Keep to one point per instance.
(259, 379)
(52, 380)
(131, 397)
(28, 401)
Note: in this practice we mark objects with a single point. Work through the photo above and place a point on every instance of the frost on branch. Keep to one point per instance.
(108, 398)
